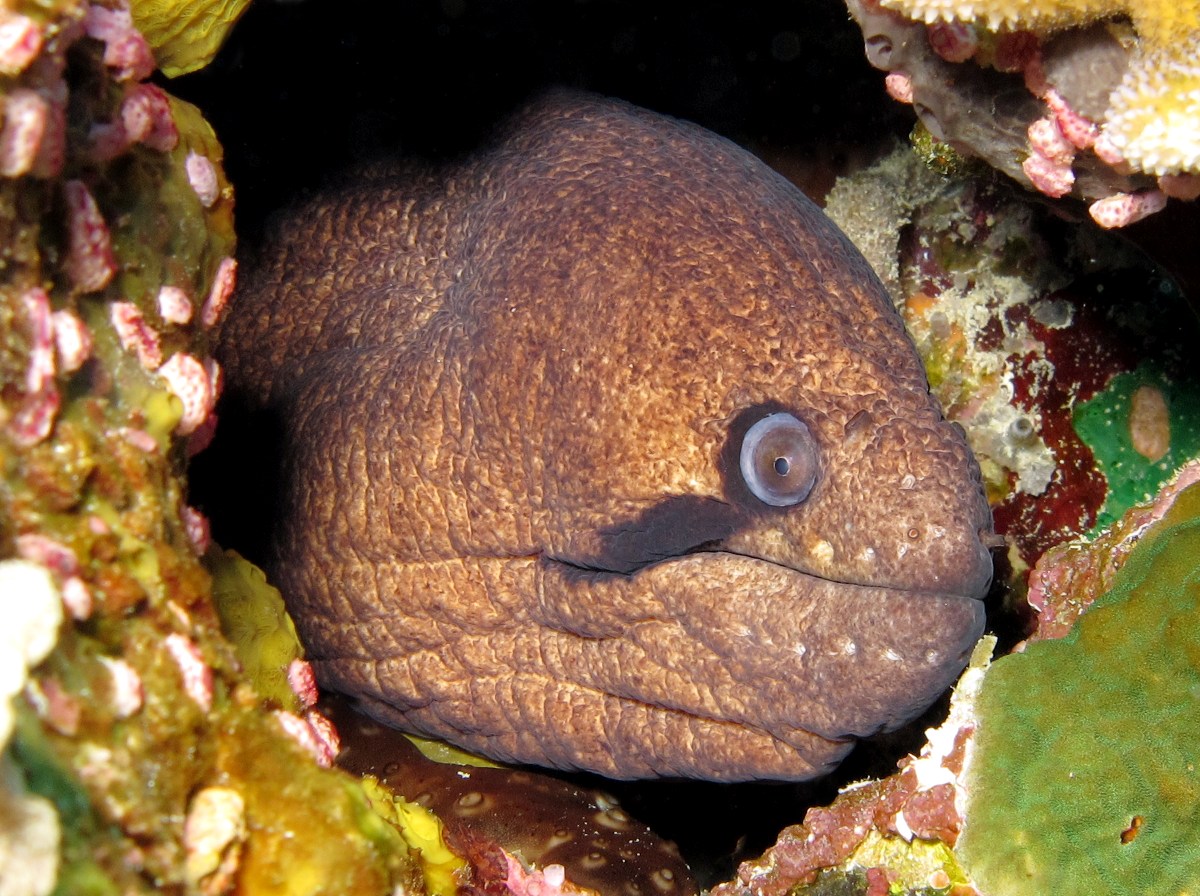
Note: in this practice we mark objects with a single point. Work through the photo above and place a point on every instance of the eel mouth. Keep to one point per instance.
(727, 636)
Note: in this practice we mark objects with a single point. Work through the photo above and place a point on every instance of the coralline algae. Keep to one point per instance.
(1085, 774)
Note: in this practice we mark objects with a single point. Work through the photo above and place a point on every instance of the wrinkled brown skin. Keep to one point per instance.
(513, 396)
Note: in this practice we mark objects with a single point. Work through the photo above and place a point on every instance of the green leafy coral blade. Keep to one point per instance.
(1086, 772)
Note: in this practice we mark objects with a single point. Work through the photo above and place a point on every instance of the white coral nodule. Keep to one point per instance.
(29, 831)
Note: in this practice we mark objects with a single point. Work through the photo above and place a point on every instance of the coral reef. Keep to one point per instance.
(891, 835)
(141, 759)
(1068, 767)
(1094, 100)
(1070, 576)
(1035, 336)
(1083, 776)
(508, 822)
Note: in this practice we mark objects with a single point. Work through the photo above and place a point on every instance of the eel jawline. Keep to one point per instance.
(735, 638)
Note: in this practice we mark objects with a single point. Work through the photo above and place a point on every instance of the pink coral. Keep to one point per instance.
(139, 439)
(174, 306)
(202, 175)
(1046, 139)
(90, 261)
(303, 682)
(46, 551)
(26, 118)
(1049, 177)
(899, 87)
(222, 289)
(125, 49)
(196, 673)
(320, 739)
(72, 340)
(1078, 129)
(20, 42)
(35, 417)
(64, 565)
(135, 334)
(1123, 209)
(191, 382)
(77, 598)
(126, 691)
(953, 41)
(196, 526)
(146, 115)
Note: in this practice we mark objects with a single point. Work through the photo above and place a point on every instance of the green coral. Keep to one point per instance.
(1086, 777)
(1103, 423)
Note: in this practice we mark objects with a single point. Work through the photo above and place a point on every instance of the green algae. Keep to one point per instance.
(1086, 772)
(186, 35)
(939, 156)
(256, 622)
(1103, 423)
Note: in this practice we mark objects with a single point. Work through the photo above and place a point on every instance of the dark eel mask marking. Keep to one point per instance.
(606, 450)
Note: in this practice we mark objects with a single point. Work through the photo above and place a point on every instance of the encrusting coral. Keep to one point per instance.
(1084, 772)
(1153, 117)
(1068, 768)
(1098, 100)
(141, 760)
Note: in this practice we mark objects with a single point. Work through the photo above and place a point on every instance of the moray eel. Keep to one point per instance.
(603, 449)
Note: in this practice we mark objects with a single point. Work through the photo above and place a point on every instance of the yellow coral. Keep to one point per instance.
(422, 831)
(185, 34)
(1154, 115)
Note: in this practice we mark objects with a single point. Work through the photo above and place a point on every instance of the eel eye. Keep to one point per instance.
(779, 460)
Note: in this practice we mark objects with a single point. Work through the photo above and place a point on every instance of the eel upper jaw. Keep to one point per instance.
(592, 566)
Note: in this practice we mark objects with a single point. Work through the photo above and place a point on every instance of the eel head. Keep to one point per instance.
(649, 483)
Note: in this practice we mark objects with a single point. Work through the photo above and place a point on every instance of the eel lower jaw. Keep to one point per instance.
(740, 639)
